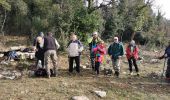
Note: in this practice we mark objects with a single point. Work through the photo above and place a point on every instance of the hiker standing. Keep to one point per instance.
(50, 47)
(132, 52)
(92, 44)
(99, 52)
(116, 51)
(166, 55)
(74, 49)
(39, 43)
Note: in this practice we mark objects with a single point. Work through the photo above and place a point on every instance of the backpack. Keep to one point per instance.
(108, 72)
(41, 72)
(13, 55)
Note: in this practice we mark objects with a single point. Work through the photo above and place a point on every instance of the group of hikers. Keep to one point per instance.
(46, 51)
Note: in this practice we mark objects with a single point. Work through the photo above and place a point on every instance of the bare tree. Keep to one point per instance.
(3, 23)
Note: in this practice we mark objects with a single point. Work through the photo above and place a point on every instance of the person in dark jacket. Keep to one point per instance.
(38, 47)
(116, 51)
(50, 47)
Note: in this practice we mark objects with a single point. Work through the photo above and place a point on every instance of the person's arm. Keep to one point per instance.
(122, 50)
(109, 50)
(57, 44)
(164, 55)
(81, 46)
(95, 49)
(90, 46)
(128, 53)
(136, 51)
(102, 50)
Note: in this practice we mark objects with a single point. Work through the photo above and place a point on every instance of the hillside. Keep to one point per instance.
(149, 86)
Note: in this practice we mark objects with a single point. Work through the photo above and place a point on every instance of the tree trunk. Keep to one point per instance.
(132, 36)
(2, 27)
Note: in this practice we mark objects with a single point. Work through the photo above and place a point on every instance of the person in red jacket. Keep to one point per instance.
(132, 52)
(99, 52)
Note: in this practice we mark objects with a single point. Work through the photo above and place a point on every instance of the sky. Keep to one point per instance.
(164, 6)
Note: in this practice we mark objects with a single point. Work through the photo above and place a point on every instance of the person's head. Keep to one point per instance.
(49, 34)
(132, 42)
(39, 39)
(116, 40)
(73, 37)
(41, 34)
(101, 42)
(95, 34)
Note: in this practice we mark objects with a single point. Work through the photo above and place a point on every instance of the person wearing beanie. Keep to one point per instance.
(132, 54)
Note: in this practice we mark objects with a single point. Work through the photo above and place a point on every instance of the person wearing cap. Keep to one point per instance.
(74, 49)
(50, 46)
(166, 55)
(116, 51)
(132, 52)
(93, 44)
(38, 47)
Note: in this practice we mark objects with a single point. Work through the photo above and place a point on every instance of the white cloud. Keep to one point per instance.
(164, 6)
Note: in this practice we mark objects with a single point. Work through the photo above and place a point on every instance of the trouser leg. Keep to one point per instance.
(71, 64)
(135, 65)
(77, 60)
(54, 61)
(130, 64)
(97, 65)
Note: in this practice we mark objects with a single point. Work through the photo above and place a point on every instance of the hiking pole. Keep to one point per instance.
(163, 70)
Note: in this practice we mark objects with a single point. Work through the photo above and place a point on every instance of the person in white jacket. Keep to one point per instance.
(74, 49)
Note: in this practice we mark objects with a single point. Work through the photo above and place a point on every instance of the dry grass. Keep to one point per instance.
(63, 87)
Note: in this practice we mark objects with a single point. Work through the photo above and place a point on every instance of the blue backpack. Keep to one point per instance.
(12, 55)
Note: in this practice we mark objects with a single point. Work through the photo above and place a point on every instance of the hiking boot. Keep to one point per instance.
(79, 74)
(54, 75)
(116, 74)
(137, 74)
(97, 75)
(131, 73)
(48, 76)
(93, 68)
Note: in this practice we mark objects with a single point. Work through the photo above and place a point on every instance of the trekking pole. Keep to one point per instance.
(163, 70)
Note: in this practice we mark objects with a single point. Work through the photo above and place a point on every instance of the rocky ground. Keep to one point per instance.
(149, 86)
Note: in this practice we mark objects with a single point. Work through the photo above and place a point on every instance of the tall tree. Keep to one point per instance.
(4, 8)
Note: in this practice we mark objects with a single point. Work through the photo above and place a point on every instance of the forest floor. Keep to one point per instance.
(148, 86)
